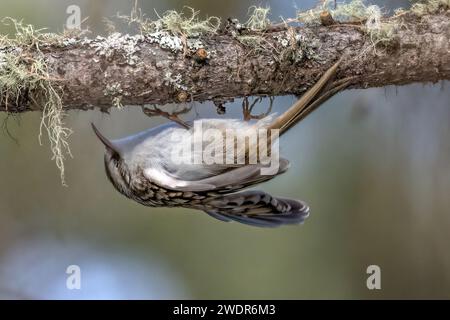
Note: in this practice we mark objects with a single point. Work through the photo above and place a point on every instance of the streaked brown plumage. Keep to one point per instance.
(139, 167)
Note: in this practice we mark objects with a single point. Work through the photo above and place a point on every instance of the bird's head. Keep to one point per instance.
(115, 164)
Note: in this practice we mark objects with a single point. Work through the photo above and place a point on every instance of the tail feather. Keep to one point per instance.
(287, 119)
(257, 208)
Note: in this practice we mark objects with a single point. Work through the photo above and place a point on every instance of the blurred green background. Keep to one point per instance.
(373, 164)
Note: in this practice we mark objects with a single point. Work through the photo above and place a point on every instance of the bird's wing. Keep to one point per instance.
(257, 208)
(230, 179)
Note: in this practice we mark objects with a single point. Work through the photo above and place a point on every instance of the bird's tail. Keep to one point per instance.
(313, 98)
(257, 208)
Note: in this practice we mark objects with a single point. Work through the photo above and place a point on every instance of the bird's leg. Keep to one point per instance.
(172, 116)
(245, 109)
(248, 108)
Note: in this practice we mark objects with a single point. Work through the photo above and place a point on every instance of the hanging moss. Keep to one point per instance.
(25, 79)
(186, 23)
(258, 19)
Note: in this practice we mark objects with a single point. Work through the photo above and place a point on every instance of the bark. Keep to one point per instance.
(94, 73)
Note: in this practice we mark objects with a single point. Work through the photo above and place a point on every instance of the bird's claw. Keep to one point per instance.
(172, 116)
(247, 109)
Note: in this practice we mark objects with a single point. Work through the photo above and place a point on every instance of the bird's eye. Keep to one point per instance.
(115, 159)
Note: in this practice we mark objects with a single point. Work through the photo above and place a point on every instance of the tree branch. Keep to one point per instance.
(154, 68)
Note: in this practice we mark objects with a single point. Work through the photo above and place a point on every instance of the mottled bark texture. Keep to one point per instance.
(156, 70)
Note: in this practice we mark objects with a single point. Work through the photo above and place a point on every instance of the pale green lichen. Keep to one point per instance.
(165, 40)
(258, 19)
(296, 47)
(24, 72)
(186, 23)
(195, 44)
(25, 75)
(381, 31)
(358, 10)
(173, 30)
(26, 35)
(117, 102)
(136, 18)
(126, 45)
(175, 80)
(429, 6)
(115, 91)
(110, 26)
(250, 40)
(290, 45)
(353, 10)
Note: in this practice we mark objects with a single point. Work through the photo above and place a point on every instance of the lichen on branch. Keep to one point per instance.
(179, 58)
(25, 80)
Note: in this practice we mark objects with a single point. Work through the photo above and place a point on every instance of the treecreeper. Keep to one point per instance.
(146, 167)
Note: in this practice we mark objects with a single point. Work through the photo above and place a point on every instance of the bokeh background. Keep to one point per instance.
(373, 164)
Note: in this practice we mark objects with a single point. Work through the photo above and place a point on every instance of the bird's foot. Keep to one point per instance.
(247, 109)
(172, 116)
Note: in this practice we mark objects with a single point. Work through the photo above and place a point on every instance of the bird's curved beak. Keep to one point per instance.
(108, 144)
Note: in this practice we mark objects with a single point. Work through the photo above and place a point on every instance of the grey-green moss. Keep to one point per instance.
(25, 75)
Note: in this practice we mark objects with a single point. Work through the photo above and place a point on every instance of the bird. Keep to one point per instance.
(142, 168)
